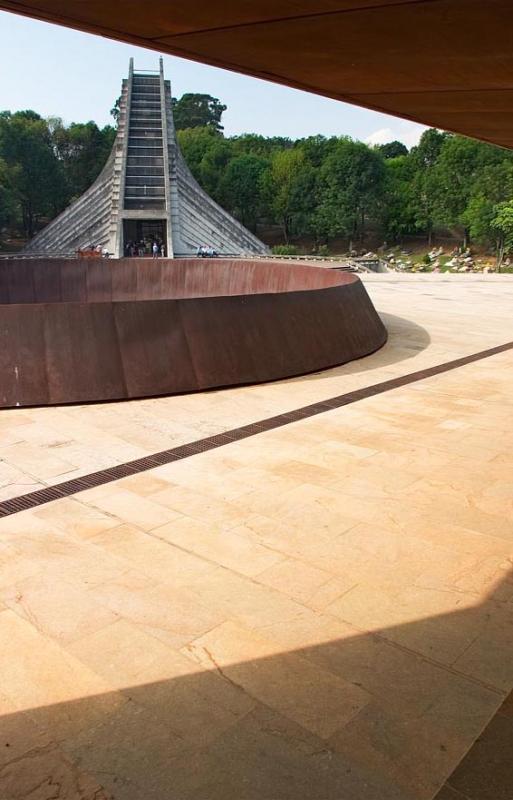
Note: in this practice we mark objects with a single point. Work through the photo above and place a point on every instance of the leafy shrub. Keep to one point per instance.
(285, 250)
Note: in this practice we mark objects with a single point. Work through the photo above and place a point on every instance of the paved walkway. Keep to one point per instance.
(322, 611)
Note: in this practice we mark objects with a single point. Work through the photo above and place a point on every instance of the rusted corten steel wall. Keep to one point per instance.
(74, 331)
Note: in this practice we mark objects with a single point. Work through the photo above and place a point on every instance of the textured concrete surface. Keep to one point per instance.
(145, 147)
(321, 611)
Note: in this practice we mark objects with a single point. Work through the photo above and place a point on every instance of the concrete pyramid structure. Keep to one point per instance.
(145, 191)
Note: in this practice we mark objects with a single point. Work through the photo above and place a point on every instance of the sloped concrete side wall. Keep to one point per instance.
(85, 222)
(96, 217)
(92, 219)
(196, 218)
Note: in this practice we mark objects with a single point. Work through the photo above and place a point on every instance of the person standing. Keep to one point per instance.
(163, 250)
(155, 250)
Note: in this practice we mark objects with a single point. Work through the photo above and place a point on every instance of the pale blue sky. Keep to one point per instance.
(77, 76)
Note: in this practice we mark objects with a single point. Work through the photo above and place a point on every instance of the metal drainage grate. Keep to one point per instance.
(71, 487)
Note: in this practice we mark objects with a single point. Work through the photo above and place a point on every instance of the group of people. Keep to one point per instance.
(91, 250)
(149, 247)
(146, 247)
(206, 251)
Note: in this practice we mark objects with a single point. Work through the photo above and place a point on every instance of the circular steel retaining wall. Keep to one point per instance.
(76, 331)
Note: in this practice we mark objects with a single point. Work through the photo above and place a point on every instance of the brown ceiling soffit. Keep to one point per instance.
(201, 17)
(447, 63)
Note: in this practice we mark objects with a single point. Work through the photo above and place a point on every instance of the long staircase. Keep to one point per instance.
(144, 178)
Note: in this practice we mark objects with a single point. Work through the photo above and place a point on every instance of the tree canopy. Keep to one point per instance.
(392, 149)
(44, 165)
(313, 190)
(198, 111)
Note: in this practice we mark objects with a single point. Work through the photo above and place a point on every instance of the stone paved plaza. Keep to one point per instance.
(323, 611)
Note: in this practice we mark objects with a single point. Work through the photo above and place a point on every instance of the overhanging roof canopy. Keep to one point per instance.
(445, 63)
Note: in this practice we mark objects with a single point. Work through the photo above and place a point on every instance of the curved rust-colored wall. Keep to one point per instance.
(73, 331)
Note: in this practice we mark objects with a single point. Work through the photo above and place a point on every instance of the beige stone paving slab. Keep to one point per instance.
(130, 749)
(183, 501)
(15, 567)
(311, 628)
(489, 657)
(164, 611)
(269, 754)
(144, 484)
(297, 579)
(40, 678)
(43, 433)
(37, 546)
(397, 750)
(17, 528)
(203, 465)
(306, 507)
(32, 765)
(19, 735)
(319, 701)
(491, 576)
(127, 506)
(10, 474)
(21, 486)
(76, 518)
(263, 755)
(155, 558)
(303, 472)
(372, 551)
(291, 540)
(451, 508)
(401, 514)
(329, 592)
(242, 479)
(198, 705)
(12, 418)
(462, 541)
(440, 625)
(56, 608)
(35, 461)
(219, 545)
(262, 609)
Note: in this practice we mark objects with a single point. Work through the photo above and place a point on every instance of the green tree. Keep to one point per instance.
(207, 156)
(503, 224)
(427, 152)
(398, 200)
(116, 110)
(392, 149)
(195, 144)
(288, 186)
(425, 187)
(198, 111)
(466, 172)
(33, 172)
(351, 184)
(9, 208)
(478, 219)
(492, 185)
(241, 188)
(82, 149)
(258, 145)
(317, 148)
(455, 173)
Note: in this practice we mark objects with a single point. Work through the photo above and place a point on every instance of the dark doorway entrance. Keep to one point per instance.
(139, 235)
